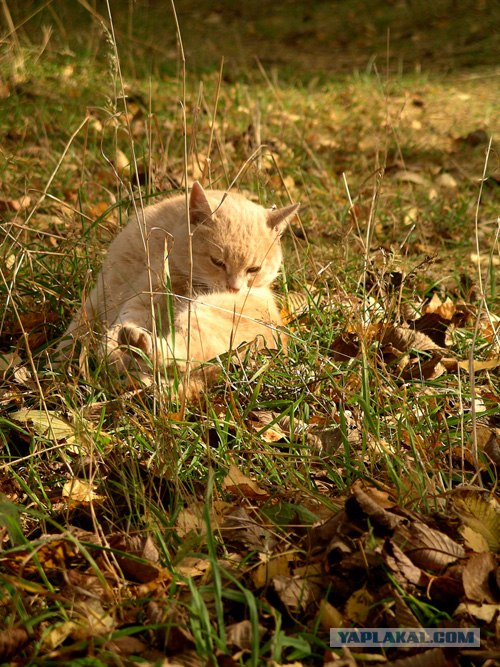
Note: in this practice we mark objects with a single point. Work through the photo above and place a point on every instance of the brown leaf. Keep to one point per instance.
(478, 365)
(404, 570)
(11, 642)
(240, 634)
(239, 484)
(361, 503)
(241, 528)
(447, 589)
(405, 339)
(478, 573)
(426, 547)
(435, 657)
(138, 557)
(296, 594)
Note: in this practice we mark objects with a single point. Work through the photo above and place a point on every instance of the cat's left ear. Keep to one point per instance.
(278, 218)
(199, 208)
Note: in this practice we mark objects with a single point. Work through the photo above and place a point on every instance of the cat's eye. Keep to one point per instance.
(218, 262)
(253, 269)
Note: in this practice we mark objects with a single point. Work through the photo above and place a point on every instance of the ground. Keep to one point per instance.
(351, 482)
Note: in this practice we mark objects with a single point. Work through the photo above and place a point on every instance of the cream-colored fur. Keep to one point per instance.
(235, 247)
(203, 329)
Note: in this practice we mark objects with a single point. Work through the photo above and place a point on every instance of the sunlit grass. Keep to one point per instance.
(378, 232)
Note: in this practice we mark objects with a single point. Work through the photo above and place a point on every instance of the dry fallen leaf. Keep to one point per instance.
(479, 513)
(358, 606)
(239, 484)
(11, 642)
(240, 634)
(478, 573)
(80, 491)
(478, 365)
(426, 547)
(271, 567)
(137, 557)
(46, 423)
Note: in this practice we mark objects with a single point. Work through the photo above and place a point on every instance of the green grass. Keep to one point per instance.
(370, 247)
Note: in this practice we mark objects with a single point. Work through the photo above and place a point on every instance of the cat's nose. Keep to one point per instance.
(234, 290)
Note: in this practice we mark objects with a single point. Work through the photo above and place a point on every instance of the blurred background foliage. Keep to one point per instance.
(300, 37)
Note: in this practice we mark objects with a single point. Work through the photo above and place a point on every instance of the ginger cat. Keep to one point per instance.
(212, 325)
(235, 246)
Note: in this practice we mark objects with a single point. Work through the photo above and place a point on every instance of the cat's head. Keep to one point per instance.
(236, 243)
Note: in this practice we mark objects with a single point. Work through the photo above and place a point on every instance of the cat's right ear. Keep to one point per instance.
(199, 208)
(278, 218)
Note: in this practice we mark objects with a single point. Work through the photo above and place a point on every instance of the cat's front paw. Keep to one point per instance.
(132, 336)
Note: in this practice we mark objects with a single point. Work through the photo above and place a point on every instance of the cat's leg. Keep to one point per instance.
(134, 325)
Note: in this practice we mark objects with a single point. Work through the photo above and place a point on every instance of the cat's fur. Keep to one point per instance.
(235, 246)
(210, 326)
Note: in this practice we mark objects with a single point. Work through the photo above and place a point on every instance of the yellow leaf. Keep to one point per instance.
(473, 539)
(46, 423)
(480, 365)
(329, 616)
(358, 606)
(80, 491)
(481, 515)
(279, 566)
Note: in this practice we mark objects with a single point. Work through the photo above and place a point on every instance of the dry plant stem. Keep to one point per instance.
(10, 23)
(141, 220)
(220, 150)
(324, 176)
(462, 425)
(15, 28)
(479, 311)
(208, 161)
(188, 219)
(53, 175)
(353, 210)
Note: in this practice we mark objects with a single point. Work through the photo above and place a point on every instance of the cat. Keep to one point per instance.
(235, 247)
(209, 326)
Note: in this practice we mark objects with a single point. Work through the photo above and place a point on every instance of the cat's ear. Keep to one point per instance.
(199, 208)
(278, 218)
